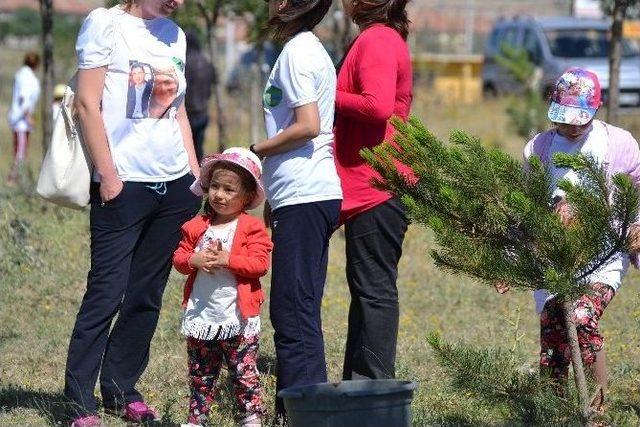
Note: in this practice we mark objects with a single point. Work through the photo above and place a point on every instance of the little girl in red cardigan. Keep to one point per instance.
(224, 252)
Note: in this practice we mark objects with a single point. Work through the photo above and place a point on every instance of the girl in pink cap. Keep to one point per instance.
(574, 103)
(224, 253)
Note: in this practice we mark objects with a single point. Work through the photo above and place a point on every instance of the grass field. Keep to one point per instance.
(44, 261)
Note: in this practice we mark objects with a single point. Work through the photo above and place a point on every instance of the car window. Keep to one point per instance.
(493, 39)
(578, 43)
(531, 45)
(510, 36)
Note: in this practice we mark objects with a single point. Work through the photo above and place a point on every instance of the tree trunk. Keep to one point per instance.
(210, 20)
(615, 55)
(48, 79)
(254, 101)
(576, 360)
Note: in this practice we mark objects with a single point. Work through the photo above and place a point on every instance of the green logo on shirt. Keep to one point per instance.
(179, 63)
(272, 96)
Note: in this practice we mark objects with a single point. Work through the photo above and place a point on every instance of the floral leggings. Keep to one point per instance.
(205, 361)
(555, 353)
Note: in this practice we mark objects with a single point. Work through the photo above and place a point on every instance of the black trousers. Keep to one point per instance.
(300, 236)
(132, 241)
(373, 248)
(198, 128)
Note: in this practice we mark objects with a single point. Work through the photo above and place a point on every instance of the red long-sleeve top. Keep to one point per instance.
(375, 83)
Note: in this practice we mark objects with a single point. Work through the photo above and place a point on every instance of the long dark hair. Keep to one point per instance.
(389, 12)
(297, 16)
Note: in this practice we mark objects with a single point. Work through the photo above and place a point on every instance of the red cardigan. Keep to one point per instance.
(248, 259)
(375, 82)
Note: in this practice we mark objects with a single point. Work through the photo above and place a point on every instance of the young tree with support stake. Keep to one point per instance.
(618, 10)
(494, 218)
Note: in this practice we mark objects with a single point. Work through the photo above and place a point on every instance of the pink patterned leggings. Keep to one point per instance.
(205, 361)
(555, 353)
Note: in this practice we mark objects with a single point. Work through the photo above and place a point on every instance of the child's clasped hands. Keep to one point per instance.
(210, 258)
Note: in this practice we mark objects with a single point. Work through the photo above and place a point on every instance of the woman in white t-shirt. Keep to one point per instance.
(26, 91)
(302, 187)
(141, 145)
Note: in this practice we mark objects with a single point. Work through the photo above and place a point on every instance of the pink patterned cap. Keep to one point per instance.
(575, 98)
(239, 156)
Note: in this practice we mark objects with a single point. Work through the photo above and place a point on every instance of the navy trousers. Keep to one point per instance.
(198, 128)
(373, 246)
(132, 241)
(300, 236)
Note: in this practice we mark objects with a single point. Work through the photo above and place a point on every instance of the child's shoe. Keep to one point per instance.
(252, 420)
(87, 421)
(139, 412)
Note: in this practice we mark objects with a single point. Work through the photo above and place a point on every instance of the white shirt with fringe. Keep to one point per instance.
(212, 311)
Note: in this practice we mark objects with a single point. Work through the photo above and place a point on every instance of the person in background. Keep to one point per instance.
(26, 92)
(200, 77)
(375, 82)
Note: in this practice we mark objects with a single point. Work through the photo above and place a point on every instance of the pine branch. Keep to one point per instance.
(492, 377)
(491, 215)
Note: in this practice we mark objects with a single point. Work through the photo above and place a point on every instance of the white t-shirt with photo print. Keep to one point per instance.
(145, 139)
(302, 74)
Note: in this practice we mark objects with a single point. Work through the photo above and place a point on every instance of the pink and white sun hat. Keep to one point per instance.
(236, 155)
(576, 97)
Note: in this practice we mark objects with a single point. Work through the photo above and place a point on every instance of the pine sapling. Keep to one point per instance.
(492, 218)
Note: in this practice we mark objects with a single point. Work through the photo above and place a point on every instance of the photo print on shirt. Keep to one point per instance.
(139, 91)
(153, 91)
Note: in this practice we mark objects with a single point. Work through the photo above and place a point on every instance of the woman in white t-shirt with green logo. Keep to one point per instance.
(302, 187)
(129, 101)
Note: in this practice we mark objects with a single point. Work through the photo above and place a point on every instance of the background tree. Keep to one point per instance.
(492, 221)
(209, 13)
(48, 80)
(527, 111)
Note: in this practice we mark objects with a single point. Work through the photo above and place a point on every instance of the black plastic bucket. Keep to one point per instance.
(361, 403)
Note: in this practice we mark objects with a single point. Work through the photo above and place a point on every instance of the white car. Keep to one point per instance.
(555, 44)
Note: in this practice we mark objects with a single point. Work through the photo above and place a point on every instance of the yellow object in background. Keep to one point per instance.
(452, 78)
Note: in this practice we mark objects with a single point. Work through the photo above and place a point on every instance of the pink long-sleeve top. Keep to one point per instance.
(375, 83)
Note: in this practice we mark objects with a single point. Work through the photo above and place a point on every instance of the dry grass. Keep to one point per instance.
(44, 260)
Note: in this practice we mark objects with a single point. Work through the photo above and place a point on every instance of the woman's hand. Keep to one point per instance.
(501, 286)
(110, 188)
(634, 238)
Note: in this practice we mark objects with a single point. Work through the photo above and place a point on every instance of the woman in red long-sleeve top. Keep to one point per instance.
(374, 84)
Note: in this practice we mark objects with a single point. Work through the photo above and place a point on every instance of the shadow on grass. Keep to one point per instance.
(53, 406)
(7, 336)
(267, 364)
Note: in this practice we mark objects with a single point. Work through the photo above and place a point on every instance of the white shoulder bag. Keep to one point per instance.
(66, 170)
